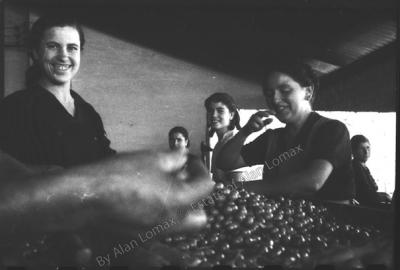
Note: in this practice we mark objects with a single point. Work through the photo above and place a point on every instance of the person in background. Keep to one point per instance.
(73, 217)
(178, 138)
(48, 123)
(222, 119)
(310, 157)
(366, 189)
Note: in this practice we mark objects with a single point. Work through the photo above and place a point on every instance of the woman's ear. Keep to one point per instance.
(34, 55)
(309, 92)
(232, 116)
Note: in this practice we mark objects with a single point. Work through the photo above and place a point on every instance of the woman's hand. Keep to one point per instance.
(136, 189)
(99, 204)
(258, 121)
(145, 188)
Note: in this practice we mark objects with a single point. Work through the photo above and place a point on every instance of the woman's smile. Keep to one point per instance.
(280, 108)
(61, 67)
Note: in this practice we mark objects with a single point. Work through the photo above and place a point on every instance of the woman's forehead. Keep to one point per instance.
(65, 34)
(278, 77)
(217, 105)
(177, 135)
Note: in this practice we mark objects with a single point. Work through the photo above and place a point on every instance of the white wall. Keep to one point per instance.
(141, 93)
(379, 128)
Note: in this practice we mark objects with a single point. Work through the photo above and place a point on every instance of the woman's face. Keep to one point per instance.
(219, 116)
(178, 142)
(286, 97)
(59, 55)
(362, 152)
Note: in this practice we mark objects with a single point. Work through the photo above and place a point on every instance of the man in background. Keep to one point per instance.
(366, 188)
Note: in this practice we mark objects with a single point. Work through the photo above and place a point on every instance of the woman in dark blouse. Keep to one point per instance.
(310, 157)
(48, 123)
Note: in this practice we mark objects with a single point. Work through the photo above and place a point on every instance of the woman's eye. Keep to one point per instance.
(285, 89)
(51, 46)
(73, 48)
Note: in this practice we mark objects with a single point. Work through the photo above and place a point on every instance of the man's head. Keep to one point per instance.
(360, 147)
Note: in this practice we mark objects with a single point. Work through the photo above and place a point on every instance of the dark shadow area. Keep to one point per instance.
(240, 39)
(234, 39)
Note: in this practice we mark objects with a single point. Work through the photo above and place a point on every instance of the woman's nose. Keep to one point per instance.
(277, 96)
(62, 52)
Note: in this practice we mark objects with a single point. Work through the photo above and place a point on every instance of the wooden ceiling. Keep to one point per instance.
(240, 37)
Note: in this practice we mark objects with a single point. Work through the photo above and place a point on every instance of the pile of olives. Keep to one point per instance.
(245, 229)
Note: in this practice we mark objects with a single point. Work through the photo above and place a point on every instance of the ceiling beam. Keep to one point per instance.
(368, 60)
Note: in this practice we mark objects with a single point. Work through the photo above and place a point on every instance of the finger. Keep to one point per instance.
(258, 123)
(267, 121)
(189, 194)
(265, 113)
(195, 219)
(198, 185)
(171, 161)
(188, 219)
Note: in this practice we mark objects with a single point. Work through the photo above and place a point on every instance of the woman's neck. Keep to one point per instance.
(221, 132)
(294, 127)
(61, 92)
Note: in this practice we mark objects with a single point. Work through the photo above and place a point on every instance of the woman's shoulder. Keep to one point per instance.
(19, 98)
(18, 95)
(81, 101)
(330, 123)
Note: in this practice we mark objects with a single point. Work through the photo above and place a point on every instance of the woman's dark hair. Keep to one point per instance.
(180, 130)
(299, 71)
(228, 101)
(356, 140)
(36, 34)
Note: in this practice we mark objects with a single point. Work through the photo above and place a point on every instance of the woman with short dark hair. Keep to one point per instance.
(310, 157)
(48, 123)
(222, 119)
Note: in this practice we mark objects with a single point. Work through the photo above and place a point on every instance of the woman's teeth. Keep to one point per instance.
(280, 108)
(61, 67)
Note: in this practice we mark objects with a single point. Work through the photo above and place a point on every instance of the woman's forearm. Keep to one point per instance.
(229, 157)
(279, 187)
(132, 188)
(44, 201)
(303, 183)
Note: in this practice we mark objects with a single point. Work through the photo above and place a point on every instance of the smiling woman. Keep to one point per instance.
(48, 123)
(222, 119)
(309, 157)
